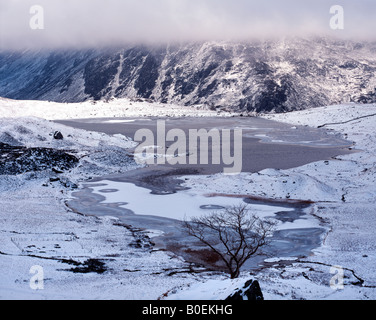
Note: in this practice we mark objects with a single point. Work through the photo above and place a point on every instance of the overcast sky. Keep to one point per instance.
(86, 23)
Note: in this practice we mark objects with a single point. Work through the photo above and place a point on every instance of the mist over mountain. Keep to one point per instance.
(260, 76)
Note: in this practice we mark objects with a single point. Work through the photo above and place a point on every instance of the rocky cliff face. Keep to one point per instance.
(259, 76)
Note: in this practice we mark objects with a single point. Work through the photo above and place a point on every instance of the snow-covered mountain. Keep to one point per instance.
(289, 74)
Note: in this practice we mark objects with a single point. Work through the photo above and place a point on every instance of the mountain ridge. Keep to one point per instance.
(260, 76)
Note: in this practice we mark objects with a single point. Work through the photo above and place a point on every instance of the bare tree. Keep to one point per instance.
(234, 234)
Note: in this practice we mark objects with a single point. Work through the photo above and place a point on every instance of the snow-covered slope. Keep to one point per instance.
(289, 74)
(100, 109)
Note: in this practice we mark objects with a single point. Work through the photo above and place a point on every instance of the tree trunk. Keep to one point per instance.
(235, 273)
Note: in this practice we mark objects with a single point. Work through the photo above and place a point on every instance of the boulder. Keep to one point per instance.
(58, 135)
(250, 291)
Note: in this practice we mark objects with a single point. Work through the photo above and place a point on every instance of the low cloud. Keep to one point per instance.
(93, 23)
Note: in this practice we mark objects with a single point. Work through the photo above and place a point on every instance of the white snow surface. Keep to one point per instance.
(101, 109)
(37, 229)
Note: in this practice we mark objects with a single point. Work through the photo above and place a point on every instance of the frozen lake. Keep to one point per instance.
(266, 143)
(153, 199)
(159, 216)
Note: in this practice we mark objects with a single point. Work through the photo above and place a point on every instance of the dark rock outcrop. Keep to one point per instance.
(17, 160)
(251, 291)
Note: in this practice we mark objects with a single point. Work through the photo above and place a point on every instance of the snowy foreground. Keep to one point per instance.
(37, 229)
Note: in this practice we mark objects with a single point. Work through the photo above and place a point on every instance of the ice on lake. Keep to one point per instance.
(181, 205)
